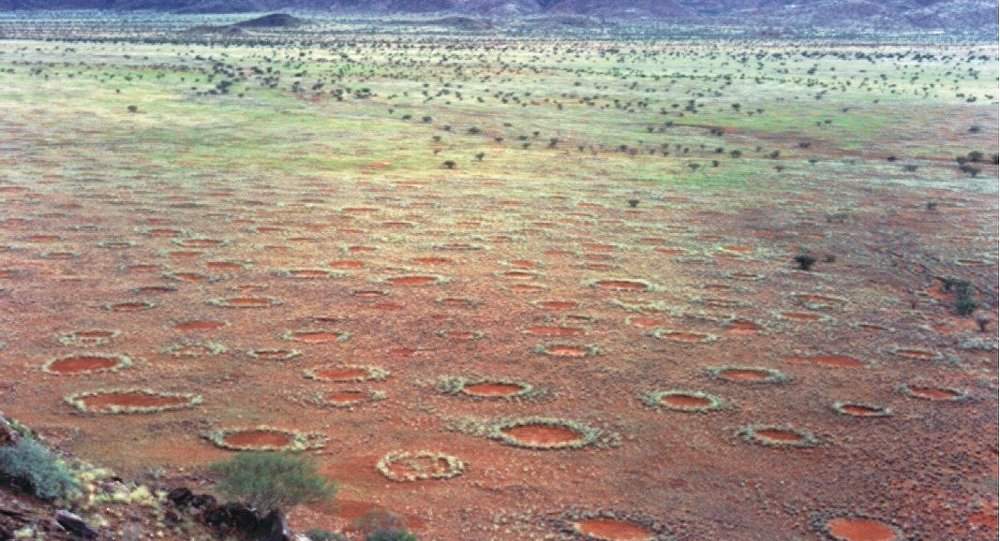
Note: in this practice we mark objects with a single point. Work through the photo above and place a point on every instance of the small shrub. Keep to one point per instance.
(633, 203)
(34, 467)
(391, 535)
(272, 481)
(805, 261)
(133, 108)
(325, 535)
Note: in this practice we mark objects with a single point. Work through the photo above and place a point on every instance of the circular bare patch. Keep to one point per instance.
(245, 302)
(777, 436)
(415, 280)
(853, 528)
(129, 306)
(112, 401)
(686, 337)
(682, 400)
(622, 284)
(195, 349)
(88, 337)
(346, 373)
(916, 354)
(199, 325)
(274, 354)
(199, 243)
(612, 529)
(748, 374)
(857, 409)
(484, 388)
(934, 393)
(316, 336)
(610, 526)
(306, 274)
(86, 363)
(265, 438)
(419, 465)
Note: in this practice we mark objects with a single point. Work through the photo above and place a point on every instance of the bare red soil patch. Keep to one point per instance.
(86, 364)
(860, 529)
(609, 529)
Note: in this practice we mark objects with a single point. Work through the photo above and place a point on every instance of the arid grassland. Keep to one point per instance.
(599, 283)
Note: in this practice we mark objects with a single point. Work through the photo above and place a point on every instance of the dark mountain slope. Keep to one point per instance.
(943, 14)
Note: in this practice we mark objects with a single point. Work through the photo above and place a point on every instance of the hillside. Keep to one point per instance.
(980, 15)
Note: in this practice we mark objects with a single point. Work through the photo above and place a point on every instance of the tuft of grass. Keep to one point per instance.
(36, 468)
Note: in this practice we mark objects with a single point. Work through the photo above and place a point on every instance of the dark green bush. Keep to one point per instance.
(272, 481)
(391, 535)
(324, 535)
(34, 467)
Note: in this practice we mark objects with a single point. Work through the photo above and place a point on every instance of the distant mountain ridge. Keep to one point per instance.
(920, 14)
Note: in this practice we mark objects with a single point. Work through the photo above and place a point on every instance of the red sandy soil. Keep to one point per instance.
(520, 279)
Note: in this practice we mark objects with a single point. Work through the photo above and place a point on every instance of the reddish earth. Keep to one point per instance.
(854, 333)
(860, 529)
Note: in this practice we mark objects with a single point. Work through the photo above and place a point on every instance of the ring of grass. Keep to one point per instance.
(183, 242)
(76, 400)
(227, 303)
(896, 350)
(664, 334)
(588, 434)
(291, 274)
(144, 305)
(178, 349)
(60, 255)
(566, 524)
(116, 244)
(647, 285)
(455, 386)
(372, 373)
(654, 399)
(437, 279)
(319, 399)
(590, 350)
(960, 395)
(455, 466)
(175, 277)
(75, 339)
(749, 435)
(300, 441)
(773, 375)
(475, 335)
(289, 335)
(124, 361)
(876, 411)
(274, 354)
